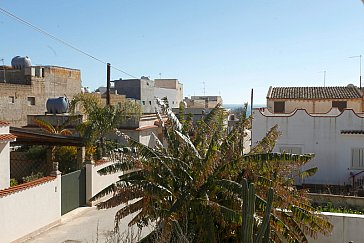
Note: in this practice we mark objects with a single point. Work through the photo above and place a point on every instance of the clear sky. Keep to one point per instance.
(232, 46)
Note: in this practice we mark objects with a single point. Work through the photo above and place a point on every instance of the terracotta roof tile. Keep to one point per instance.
(349, 92)
(4, 123)
(7, 137)
(24, 186)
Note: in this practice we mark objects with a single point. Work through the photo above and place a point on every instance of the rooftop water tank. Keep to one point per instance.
(57, 105)
(19, 62)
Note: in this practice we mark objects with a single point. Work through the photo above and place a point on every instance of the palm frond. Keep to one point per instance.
(116, 167)
(123, 196)
(308, 172)
(127, 210)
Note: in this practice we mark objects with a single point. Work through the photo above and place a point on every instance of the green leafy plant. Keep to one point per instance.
(330, 208)
(190, 189)
(13, 182)
(32, 177)
(101, 119)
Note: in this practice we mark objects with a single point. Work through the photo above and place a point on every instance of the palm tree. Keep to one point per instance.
(101, 119)
(191, 189)
(49, 128)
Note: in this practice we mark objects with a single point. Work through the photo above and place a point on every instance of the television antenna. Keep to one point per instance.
(324, 71)
(359, 68)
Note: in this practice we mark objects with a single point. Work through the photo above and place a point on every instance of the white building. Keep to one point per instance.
(336, 139)
(145, 90)
(5, 139)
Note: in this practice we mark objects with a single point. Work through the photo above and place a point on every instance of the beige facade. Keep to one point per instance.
(314, 100)
(313, 106)
(171, 84)
(203, 101)
(25, 91)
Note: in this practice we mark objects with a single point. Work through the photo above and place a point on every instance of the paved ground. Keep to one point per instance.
(89, 225)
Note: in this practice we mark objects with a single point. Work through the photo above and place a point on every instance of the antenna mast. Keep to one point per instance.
(359, 68)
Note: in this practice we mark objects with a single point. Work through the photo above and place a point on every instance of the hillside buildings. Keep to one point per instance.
(24, 89)
(326, 121)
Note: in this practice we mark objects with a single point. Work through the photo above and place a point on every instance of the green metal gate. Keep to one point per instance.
(73, 190)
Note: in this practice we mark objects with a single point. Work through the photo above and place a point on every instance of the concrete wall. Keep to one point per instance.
(173, 84)
(147, 96)
(129, 87)
(57, 81)
(96, 182)
(338, 200)
(29, 210)
(347, 228)
(316, 134)
(171, 94)
(314, 106)
(203, 101)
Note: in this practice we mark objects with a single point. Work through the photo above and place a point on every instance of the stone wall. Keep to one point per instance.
(17, 100)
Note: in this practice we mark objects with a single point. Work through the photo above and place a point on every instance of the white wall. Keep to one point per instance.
(4, 166)
(96, 182)
(4, 160)
(347, 227)
(319, 135)
(26, 211)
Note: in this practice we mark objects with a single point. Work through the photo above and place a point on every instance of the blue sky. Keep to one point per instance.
(232, 46)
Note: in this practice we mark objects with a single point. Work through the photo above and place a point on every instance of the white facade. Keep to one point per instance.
(5, 139)
(334, 138)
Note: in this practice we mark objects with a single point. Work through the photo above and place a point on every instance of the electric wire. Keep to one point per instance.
(9, 14)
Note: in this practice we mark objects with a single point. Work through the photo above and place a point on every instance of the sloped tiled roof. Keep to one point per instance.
(7, 138)
(4, 123)
(24, 186)
(349, 92)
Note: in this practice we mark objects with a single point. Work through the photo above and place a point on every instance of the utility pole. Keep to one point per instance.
(204, 88)
(251, 114)
(359, 68)
(108, 84)
(3, 69)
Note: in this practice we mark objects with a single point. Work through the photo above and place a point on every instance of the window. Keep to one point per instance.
(279, 106)
(357, 158)
(290, 150)
(11, 99)
(143, 102)
(341, 105)
(31, 100)
(150, 102)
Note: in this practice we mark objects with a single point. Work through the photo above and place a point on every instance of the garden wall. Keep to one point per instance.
(28, 208)
(338, 200)
(347, 228)
(96, 182)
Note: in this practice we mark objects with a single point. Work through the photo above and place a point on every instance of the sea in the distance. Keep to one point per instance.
(235, 106)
